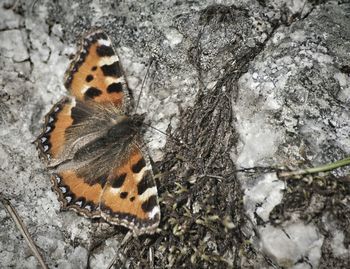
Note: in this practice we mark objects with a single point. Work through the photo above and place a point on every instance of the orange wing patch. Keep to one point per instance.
(130, 196)
(96, 73)
(74, 193)
(52, 139)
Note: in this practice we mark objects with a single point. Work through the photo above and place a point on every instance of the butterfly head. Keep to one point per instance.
(138, 120)
(127, 127)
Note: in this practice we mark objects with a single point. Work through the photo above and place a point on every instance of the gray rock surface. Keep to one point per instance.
(244, 84)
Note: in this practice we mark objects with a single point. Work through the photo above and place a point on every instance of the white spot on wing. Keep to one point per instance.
(115, 190)
(63, 189)
(104, 42)
(108, 60)
(139, 175)
(154, 212)
(73, 102)
(110, 80)
(83, 90)
(58, 179)
(149, 192)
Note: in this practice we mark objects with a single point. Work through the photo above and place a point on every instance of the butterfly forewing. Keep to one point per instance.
(95, 72)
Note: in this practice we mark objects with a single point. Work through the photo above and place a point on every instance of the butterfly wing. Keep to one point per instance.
(130, 195)
(122, 191)
(94, 75)
(68, 126)
(76, 194)
(95, 72)
(52, 139)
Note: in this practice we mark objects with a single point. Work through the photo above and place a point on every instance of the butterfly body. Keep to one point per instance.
(95, 151)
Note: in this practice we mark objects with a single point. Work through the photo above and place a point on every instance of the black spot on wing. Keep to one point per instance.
(149, 204)
(89, 78)
(112, 70)
(115, 87)
(145, 183)
(137, 167)
(102, 181)
(118, 181)
(123, 195)
(94, 68)
(92, 92)
(104, 51)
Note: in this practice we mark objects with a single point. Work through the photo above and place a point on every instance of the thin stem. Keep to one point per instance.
(23, 229)
(169, 136)
(125, 240)
(143, 83)
(318, 169)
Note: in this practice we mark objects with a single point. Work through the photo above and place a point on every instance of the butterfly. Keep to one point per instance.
(94, 148)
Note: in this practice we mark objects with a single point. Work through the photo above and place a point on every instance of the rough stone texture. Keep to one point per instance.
(249, 84)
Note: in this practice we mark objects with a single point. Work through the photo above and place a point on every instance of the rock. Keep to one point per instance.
(13, 45)
(9, 19)
(253, 85)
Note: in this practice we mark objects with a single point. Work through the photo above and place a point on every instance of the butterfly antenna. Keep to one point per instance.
(167, 135)
(143, 83)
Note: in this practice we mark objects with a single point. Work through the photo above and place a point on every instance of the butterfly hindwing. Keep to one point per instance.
(76, 194)
(95, 73)
(130, 195)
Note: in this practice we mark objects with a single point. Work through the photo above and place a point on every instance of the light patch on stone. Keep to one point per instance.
(173, 37)
(267, 193)
(294, 242)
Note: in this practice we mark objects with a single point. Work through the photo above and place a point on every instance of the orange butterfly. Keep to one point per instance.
(100, 168)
